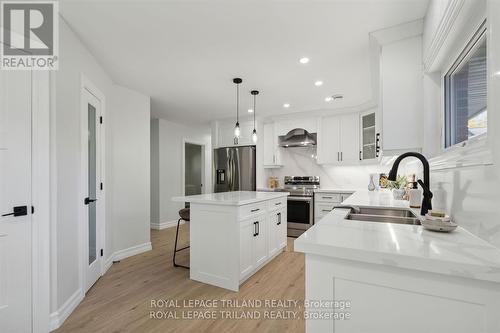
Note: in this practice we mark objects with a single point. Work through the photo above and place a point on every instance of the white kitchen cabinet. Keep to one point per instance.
(270, 147)
(328, 147)
(349, 138)
(325, 201)
(277, 231)
(402, 96)
(253, 243)
(368, 133)
(247, 262)
(338, 141)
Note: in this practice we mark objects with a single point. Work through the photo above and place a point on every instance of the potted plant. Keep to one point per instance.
(398, 187)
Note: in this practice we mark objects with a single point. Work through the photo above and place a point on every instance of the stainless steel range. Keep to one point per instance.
(300, 203)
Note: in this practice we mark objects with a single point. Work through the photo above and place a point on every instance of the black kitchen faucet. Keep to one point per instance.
(427, 200)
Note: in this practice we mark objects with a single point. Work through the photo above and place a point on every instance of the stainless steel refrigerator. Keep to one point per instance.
(234, 169)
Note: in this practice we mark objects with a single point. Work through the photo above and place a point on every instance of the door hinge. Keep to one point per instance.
(100, 119)
(102, 252)
(102, 186)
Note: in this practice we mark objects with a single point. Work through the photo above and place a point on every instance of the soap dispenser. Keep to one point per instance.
(415, 195)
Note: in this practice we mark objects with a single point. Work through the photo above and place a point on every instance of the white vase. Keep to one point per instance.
(398, 193)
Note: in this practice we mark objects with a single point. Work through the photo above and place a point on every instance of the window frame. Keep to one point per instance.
(448, 129)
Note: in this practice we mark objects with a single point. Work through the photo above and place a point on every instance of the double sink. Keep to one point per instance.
(384, 215)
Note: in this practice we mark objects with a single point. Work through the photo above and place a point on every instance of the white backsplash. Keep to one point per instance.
(299, 162)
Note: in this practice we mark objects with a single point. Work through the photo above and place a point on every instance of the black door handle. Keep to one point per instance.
(279, 219)
(18, 211)
(88, 200)
(255, 229)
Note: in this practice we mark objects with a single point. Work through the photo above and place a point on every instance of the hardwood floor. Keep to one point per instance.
(121, 300)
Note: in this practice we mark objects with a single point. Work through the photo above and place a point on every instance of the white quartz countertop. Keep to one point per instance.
(236, 198)
(458, 253)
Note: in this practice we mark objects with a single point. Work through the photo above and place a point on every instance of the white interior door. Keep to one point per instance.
(91, 184)
(15, 201)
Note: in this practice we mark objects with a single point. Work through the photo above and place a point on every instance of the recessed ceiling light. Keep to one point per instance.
(318, 83)
(250, 110)
(497, 73)
(286, 105)
(304, 60)
(329, 99)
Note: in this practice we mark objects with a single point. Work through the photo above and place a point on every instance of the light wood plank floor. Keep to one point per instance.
(121, 300)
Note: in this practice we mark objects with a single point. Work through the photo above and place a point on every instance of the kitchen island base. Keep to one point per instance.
(232, 239)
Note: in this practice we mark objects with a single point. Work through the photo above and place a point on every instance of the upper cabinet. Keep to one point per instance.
(401, 96)
(369, 136)
(338, 139)
(270, 146)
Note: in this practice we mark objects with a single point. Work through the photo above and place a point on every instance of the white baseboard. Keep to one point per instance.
(108, 263)
(132, 251)
(164, 225)
(58, 317)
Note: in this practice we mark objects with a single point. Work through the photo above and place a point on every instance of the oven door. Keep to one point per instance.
(299, 212)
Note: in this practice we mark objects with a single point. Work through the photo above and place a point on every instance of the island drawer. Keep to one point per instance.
(252, 209)
(277, 203)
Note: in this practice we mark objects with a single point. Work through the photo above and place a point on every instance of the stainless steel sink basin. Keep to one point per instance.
(384, 215)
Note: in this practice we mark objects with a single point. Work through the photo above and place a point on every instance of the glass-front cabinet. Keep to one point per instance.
(368, 146)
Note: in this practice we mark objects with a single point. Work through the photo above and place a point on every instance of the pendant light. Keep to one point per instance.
(237, 131)
(254, 132)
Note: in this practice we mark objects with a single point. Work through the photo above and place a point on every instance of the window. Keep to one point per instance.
(466, 114)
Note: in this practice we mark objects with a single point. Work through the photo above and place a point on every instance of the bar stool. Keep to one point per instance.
(184, 215)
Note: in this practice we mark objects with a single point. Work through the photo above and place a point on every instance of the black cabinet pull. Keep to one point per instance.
(254, 210)
(360, 156)
(277, 204)
(279, 219)
(255, 229)
(377, 146)
(18, 211)
(88, 200)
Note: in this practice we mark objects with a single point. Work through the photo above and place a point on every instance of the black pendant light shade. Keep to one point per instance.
(237, 131)
(254, 132)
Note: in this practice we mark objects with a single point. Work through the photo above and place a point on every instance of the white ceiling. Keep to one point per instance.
(184, 54)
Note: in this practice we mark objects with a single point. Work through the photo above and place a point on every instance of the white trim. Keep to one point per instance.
(58, 317)
(86, 84)
(132, 251)
(40, 221)
(451, 13)
(164, 225)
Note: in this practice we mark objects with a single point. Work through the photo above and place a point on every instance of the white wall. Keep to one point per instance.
(126, 158)
(470, 193)
(130, 206)
(170, 140)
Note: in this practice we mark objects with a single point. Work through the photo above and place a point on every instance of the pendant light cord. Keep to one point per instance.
(237, 102)
(254, 98)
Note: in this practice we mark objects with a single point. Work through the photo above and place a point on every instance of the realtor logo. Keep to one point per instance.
(29, 36)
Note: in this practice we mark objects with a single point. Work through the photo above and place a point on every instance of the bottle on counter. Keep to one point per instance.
(415, 195)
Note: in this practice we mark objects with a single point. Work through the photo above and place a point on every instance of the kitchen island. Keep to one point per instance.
(234, 234)
(397, 277)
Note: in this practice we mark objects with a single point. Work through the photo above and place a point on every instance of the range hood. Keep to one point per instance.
(298, 137)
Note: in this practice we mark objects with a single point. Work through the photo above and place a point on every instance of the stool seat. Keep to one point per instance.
(185, 214)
